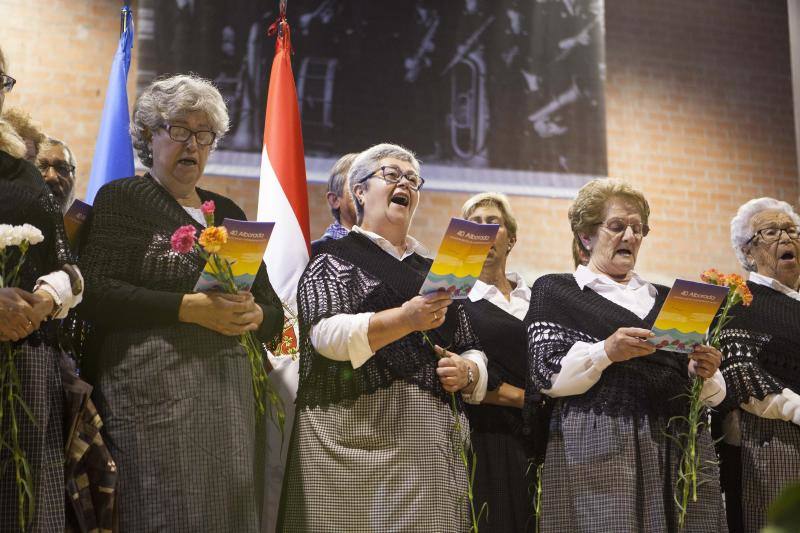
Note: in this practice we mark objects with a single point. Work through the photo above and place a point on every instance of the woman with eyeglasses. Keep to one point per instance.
(374, 444)
(48, 286)
(761, 344)
(611, 463)
(171, 380)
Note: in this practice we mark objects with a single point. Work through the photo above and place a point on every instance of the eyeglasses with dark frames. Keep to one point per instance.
(392, 174)
(618, 226)
(770, 235)
(6, 82)
(62, 168)
(182, 134)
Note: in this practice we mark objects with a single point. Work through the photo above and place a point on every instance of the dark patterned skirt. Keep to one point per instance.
(179, 415)
(43, 442)
(770, 462)
(608, 473)
(384, 462)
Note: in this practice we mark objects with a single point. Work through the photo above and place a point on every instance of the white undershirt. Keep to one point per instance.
(584, 363)
(345, 337)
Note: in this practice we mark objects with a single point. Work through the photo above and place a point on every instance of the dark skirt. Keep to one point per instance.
(505, 480)
(383, 462)
(179, 415)
(770, 462)
(612, 473)
(43, 443)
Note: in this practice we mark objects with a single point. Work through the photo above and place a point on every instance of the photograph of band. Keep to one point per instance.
(508, 85)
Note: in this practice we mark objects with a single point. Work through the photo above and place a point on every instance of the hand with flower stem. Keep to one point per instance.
(228, 314)
(704, 361)
(453, 371)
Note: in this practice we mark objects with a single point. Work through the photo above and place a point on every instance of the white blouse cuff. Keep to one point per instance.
(479, 392)
(784, 406)
(58, 285)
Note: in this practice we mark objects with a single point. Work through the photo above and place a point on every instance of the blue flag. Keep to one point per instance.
(113, 152)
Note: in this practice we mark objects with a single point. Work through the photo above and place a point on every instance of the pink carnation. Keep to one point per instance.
(208, 207)
(183, 239)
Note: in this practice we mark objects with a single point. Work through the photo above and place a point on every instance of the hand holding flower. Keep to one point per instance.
(705, 361)
(228, 314)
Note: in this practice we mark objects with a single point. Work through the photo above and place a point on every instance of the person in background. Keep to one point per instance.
(611, 460)
(49, 285)
(761, 452)
(58, 166)
(26, 128)
(340, 201)
(172, 381)
(496, 306)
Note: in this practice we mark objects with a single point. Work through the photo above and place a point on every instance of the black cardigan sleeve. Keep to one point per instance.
(113, 250)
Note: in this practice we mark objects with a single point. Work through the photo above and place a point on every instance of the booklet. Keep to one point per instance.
(687, 314)
(245, 248)
(74, 220)
(459, 262)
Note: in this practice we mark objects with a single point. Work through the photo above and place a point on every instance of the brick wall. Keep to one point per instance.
(699, 116)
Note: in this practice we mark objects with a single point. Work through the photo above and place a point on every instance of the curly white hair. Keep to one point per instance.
(742, 230)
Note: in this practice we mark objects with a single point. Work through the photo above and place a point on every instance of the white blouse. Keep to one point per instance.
(584, 363)
(519, 300)
(344, 337)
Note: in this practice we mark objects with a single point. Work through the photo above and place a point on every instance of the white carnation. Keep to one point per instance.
(5, 235)
(31, 234)
(16, 235)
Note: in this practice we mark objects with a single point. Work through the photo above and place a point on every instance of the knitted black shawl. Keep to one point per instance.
(562, 314)
(761, 347)
(354, 275)
(133, 278)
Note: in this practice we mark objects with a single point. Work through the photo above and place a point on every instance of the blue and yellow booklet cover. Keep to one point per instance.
(460, 259)
(245, 248)
(686, 315)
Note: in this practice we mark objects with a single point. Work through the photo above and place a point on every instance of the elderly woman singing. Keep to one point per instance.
(610, 464)
(374, 443)
(762, 363)
(172, 381)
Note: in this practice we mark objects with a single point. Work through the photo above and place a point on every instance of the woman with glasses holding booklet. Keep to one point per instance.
(610, 464)
(172, 382)
(374, 445)
(761, 450)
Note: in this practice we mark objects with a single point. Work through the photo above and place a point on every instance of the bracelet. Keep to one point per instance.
(470, 376)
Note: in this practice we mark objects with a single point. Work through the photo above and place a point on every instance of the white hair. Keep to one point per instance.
(366, 162)
(742, 229)
(169, 98)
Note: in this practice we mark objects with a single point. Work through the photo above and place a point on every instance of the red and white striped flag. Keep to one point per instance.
(283, 195)
(282, 198)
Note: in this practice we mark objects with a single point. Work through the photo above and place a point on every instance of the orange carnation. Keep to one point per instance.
(212, 238)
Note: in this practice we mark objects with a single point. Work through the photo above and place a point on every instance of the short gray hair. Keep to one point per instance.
(366, 162)
(338, 177)
(51, 141)
(742, 230)
(170, 98)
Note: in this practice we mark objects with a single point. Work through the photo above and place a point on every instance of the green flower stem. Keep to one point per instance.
(262, 388)
(470, 462)
(10, 401)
